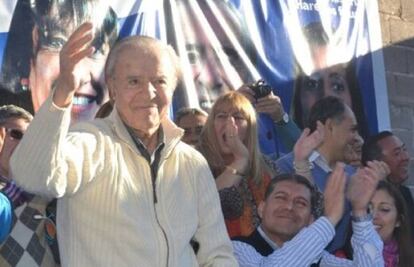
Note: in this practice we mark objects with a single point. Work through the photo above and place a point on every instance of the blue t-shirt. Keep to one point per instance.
(5, 217)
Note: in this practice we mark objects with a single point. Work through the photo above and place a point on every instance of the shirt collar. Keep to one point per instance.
(266, 238)
(318, 159)
(142, 148)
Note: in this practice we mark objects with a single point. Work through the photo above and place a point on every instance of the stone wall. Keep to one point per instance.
(397, 24)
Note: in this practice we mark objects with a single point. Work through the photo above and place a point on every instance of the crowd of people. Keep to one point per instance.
(135, 188)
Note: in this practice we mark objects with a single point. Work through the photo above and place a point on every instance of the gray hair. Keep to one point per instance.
(15, 112)
(144, 43)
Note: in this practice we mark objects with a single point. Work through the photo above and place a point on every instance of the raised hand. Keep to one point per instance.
(363, 184)
(238, 149)
(308, 142)
(334, 195)
(270, 104)
(75, 49)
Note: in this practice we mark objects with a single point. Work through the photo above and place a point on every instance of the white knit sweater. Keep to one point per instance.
(106, 211)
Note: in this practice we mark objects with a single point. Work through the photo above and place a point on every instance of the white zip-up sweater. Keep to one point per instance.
(106, 211)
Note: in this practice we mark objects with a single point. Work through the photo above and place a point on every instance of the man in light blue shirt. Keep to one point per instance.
(341, 133)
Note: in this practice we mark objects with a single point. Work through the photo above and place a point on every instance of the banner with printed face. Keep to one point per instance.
(303, 49)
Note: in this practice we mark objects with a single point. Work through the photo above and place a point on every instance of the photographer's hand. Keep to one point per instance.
(272, 106)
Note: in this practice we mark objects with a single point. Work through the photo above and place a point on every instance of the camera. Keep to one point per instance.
(260, 89)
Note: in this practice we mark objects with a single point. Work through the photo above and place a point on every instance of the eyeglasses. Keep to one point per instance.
(14, 133)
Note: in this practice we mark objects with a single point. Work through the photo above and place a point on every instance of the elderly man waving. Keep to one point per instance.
(130, 193)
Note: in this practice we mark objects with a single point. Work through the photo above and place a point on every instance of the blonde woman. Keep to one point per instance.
(230, 145)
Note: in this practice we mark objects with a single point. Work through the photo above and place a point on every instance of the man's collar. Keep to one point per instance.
(318, 159)
(267, 239)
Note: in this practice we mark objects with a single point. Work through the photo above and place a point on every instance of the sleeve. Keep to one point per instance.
(215, 245)
(288, 133)
(5, 217)
(231, 202)
(303, 250)
(285, 163)
(366, 245)
(50, 162)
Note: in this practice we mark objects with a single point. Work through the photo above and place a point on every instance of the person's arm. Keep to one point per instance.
(303, 250)
(306, 144)
(366, 245)
(5, 217)
(288, 133)
(48, 161)
(215, 246)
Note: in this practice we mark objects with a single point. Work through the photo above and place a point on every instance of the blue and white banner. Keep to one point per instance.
(305, 49)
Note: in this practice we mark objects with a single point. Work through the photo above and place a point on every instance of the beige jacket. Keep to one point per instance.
(106, 210)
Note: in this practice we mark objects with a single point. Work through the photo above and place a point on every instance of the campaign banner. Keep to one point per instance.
(303, 49)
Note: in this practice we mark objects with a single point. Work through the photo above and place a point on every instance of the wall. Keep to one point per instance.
(397, 24)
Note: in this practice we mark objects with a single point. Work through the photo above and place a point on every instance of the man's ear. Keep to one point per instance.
(260, 209)
(111, 88)
(2, 136)
(329, 125)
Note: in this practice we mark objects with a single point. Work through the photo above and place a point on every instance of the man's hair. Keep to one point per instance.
(299, 179)
(188, 111)
(14, 112)
(371, 150)
(146, 43)
(329, 107)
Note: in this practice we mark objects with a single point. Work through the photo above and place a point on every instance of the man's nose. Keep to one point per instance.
(149, 91)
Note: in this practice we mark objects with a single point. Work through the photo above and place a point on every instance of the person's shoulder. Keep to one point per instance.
(189, 152)
(92, 126)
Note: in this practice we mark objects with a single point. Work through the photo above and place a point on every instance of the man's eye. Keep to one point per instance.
(133, 82)
(160, 82)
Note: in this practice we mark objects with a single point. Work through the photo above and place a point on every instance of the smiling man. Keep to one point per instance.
(291, 235)
(139, 194)
(387, 147)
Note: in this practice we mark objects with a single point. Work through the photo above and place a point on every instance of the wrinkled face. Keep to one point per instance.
(192, 125)
(286, 211)
(395, 154)
(344, 135)
(326, 82)
(142, 86)
(227, 118)
(44, 71)
(12, 130)
(385, 214)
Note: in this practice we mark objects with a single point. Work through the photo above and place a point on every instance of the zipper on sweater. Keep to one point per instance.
(163, 232)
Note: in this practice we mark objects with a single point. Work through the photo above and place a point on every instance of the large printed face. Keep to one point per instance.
(215, 64)
(48, 39)
(325, 82)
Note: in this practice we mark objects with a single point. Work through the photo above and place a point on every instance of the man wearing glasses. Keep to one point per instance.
(27, 234)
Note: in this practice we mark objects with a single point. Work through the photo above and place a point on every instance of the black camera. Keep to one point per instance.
(260, 89)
